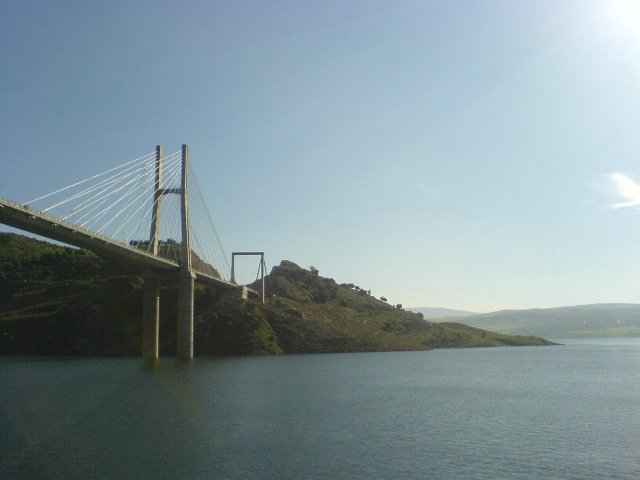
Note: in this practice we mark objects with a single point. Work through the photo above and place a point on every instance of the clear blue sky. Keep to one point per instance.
(468, 154)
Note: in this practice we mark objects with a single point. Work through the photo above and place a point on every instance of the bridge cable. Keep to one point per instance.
(93, 198)
(169, 174)
(149, 189)
(216, 243)
(98, 199)
(108, 181)
(123, 196)
(213, 246)
(91, 178)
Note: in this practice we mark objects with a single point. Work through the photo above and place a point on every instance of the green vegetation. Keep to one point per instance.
(62, 301)
(56, 300)
(316, 314)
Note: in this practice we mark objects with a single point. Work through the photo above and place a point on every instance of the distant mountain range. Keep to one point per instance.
(431, 313)
(597, 320)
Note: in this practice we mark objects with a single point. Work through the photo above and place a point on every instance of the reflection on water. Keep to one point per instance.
(531, 412)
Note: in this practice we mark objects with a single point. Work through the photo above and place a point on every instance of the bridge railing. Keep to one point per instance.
(27, 211)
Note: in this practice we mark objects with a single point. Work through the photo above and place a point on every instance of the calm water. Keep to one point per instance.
(569, 412)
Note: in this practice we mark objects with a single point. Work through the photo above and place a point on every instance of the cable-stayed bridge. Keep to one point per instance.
(148, 212)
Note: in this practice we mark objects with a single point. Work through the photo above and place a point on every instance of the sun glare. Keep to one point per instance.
(628, 12)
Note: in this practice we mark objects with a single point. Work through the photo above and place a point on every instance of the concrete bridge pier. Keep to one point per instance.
(151, 316)
(185, 314)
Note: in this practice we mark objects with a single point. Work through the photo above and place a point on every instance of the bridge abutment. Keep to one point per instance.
(151, 316)
(185, 314)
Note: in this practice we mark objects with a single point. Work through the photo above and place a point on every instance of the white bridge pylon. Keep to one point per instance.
(124, 203)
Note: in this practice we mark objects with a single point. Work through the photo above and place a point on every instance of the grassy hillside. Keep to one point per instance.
(599, 320)
(62, 301)
(325, 316)
(56, 300)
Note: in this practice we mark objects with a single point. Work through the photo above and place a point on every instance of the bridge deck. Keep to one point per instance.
(23, 218)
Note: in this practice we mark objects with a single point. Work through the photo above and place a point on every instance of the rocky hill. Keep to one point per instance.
(325, 316)
(61, 301)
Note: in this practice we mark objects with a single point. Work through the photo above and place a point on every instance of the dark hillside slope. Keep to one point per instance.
(62, 301)
(56, 300)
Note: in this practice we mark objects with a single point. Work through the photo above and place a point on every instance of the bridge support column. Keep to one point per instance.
(151, 316)
(185, 314)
